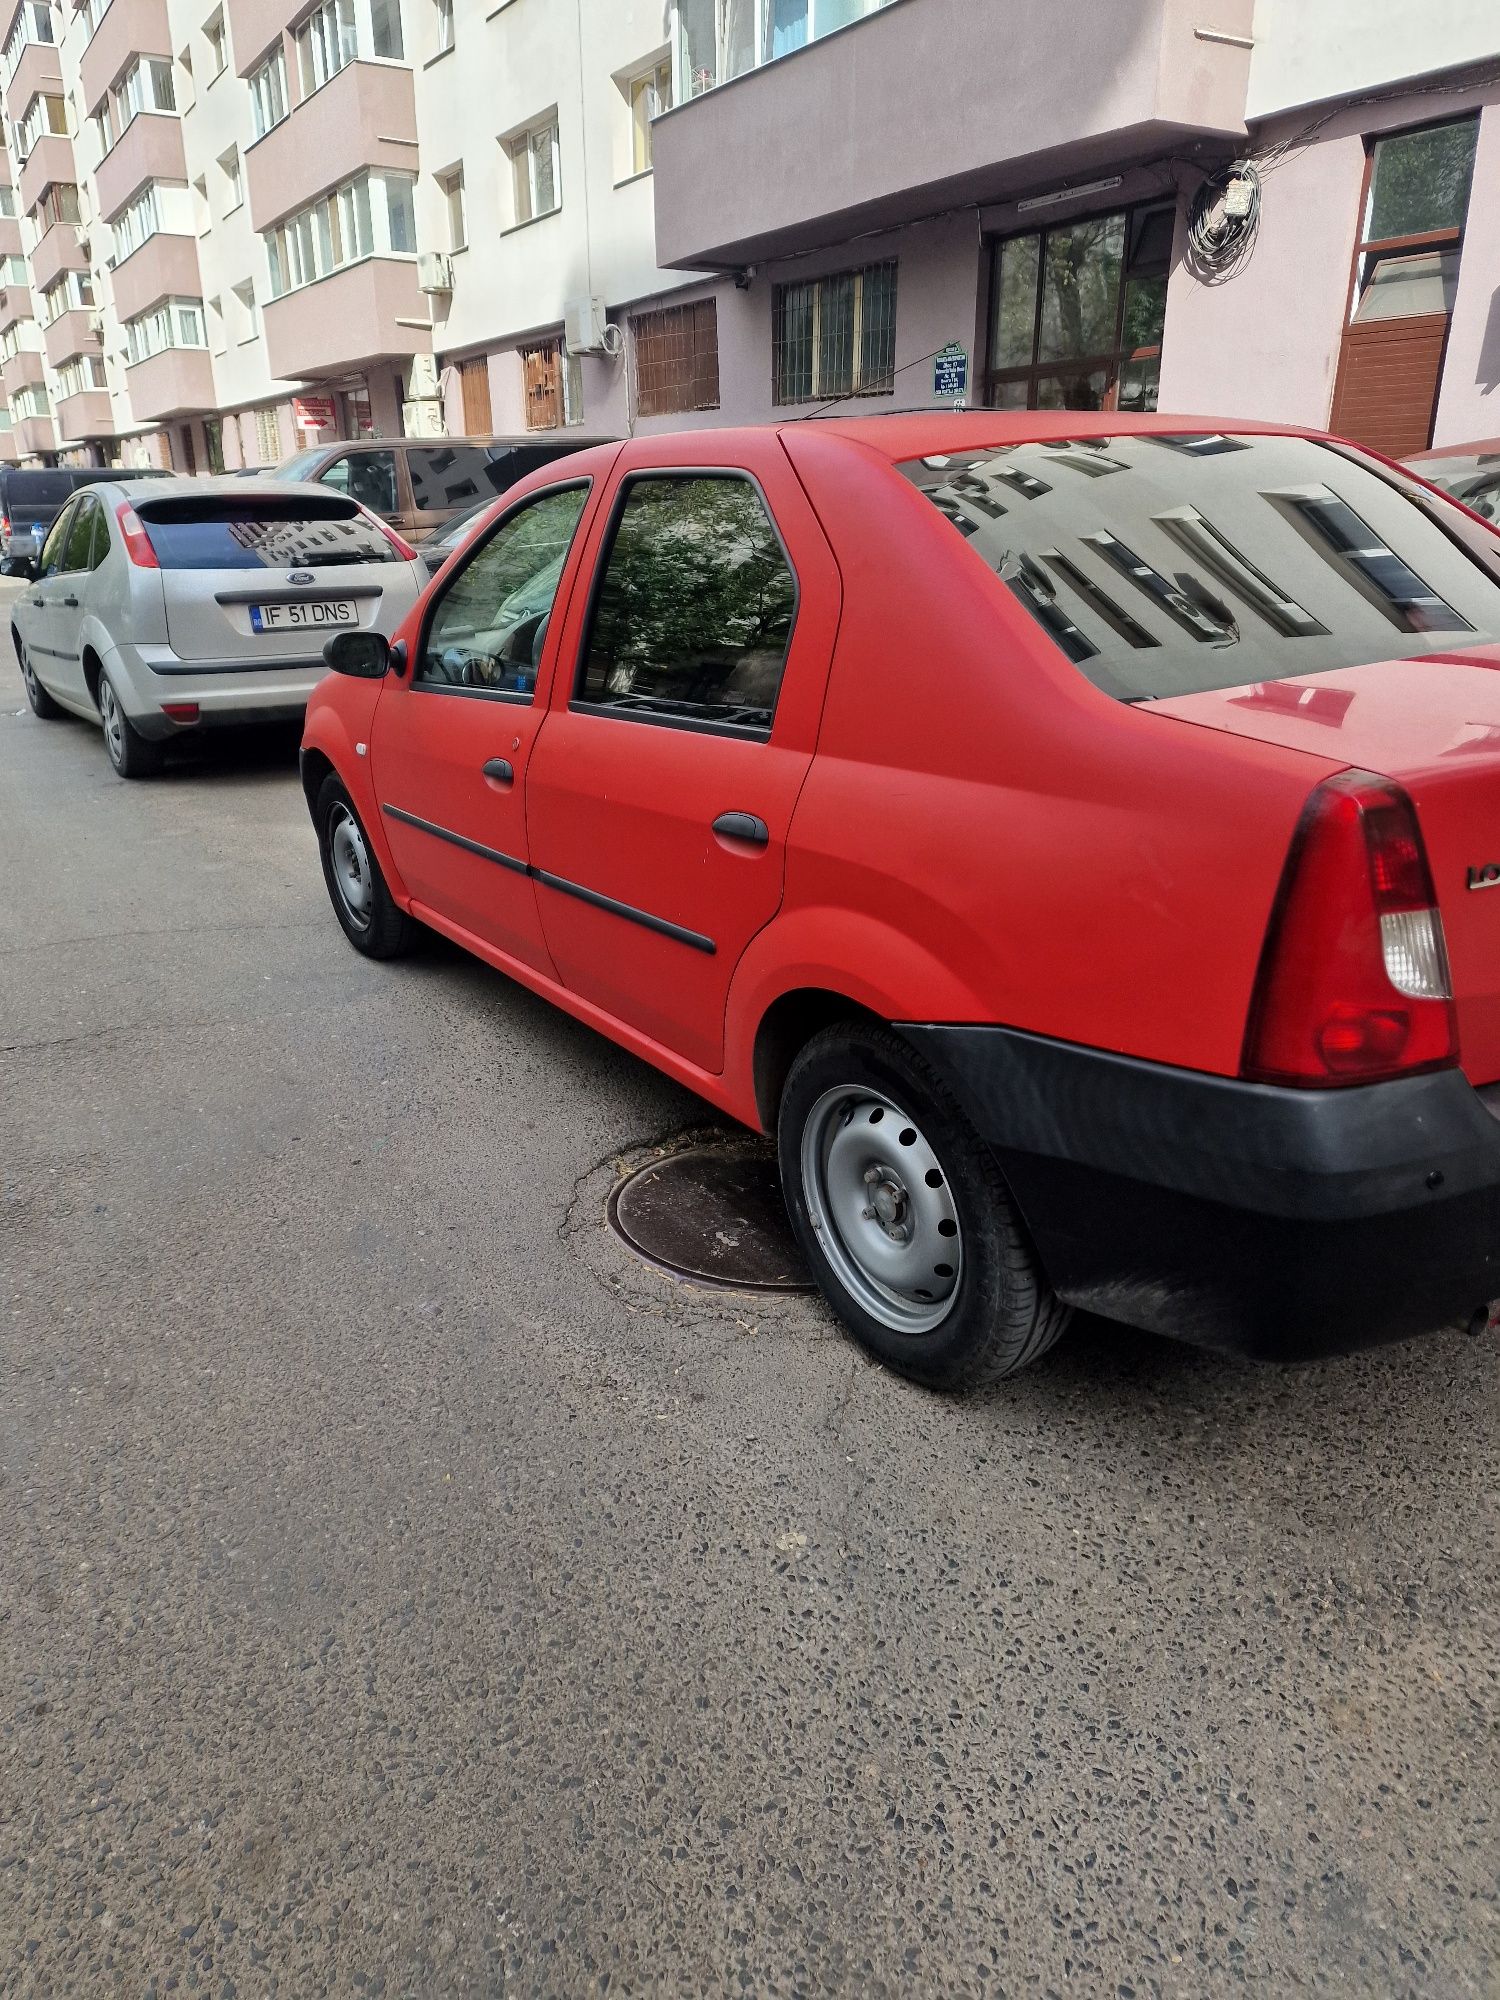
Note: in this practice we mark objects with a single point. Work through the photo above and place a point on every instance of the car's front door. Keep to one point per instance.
(86, 545)
(370, 477)
(452, 737)
(662, 788)
(48, 624)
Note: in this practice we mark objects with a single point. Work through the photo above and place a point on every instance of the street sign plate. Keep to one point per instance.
(950, 372)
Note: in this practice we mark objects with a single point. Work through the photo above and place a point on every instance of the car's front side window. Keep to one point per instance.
(81, 536)
(693, 618)
(486, 632)
(57, 540)
(366, 476)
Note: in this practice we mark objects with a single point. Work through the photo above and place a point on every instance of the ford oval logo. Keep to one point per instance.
(300, 576)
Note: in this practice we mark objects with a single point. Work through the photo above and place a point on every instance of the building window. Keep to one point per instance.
(326, 41)
(650, 95)
(7, 199)
(44, 116)
(33, 23)
(835, 336)
(385, 30)
(213, 442)
(30, 400)
(213, 312)
(677, 359)
(217, 36)
(78, 376)
(73, 292)
(718, 41)
(267, 437)
(554, 386)
(245, 328)
(140, 219)
(146, 86)
(535, 171)
(452, 186)
(1077, 313)
(234, 190)
(1416, 203)
(444, 12)
(177, 323)
(94, 12)
(58, 204)
(268, 94)
(371, 216)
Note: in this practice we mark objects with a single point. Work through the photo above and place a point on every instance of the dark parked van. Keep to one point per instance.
(419, 484)
(31, 501)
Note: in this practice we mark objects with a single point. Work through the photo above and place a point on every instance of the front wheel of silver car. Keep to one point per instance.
(364, 906)
(132, 755)
(904, 1215)
(42, 704)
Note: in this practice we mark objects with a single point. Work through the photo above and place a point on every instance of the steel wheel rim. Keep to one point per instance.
(350, 861)
(113, 719)
(881, 1208)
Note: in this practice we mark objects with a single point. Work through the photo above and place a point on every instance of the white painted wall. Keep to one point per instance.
(1307, 51)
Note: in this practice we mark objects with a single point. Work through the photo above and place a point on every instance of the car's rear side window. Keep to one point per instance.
(454, 475)
(1165, 565)
(693, 614)
(27, 491)
(298, 532)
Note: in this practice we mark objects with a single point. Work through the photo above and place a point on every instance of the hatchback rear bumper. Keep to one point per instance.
(1280, 1224)
(225, 691)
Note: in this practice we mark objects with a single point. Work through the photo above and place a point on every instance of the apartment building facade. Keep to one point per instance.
(230, 228)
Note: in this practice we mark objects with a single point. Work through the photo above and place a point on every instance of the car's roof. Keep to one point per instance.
(573, 443)
(924, 433)
(226, 485)
(1476, 448)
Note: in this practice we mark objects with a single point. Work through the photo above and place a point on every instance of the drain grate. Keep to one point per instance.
(712, 1213)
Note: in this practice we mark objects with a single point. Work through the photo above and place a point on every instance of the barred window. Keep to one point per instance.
(835, 336)
(677, 358)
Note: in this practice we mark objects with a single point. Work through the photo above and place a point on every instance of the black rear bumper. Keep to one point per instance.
(1275, 1223)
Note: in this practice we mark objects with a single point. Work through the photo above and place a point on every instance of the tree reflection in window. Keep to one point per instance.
(694, 611)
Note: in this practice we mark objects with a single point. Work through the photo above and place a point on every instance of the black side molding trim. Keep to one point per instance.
(694, 940)
(458, 840)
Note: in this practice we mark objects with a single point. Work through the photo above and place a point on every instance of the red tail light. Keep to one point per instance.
(137, 541)
(5, 526)
(1353, 983)
(403, 548)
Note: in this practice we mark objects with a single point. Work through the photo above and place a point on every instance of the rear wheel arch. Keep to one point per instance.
(93, 667)
(785, 1029)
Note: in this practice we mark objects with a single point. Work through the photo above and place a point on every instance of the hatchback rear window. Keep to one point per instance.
(228, 533)
(1172, 565)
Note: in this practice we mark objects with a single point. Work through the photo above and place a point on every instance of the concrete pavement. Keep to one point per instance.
(405, 1591)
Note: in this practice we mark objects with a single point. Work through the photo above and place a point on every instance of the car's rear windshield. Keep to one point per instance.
(1170, 565)
(25, 491)
(228, 533)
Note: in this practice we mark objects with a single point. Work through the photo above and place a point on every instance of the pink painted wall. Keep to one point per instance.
(1469, 402)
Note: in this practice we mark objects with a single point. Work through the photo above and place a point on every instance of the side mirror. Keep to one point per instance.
(22, 566)
(364, 656)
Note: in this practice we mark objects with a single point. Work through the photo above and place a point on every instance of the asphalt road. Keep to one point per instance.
(403, 1590)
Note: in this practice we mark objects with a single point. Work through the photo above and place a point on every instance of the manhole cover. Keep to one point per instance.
(714, 1214)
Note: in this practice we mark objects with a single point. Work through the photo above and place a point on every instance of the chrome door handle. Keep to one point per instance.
(744, 827)
(499, 770)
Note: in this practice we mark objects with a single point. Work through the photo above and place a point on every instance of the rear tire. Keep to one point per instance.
(132, 755)
(42, 704)
(905, 1217)
(367, 912)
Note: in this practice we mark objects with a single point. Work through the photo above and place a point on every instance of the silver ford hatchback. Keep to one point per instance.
(163, 606)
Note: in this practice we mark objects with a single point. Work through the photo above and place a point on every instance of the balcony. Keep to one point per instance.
(15, 305)
(71, 333)
(10, 236)
(33, 436)
(149, 149)
(38, 69)
(139, 29)
(20, 369)
(86, 415)
(938, 104)
(364, 117)
(254, 25)
(346, 320)
(59, 250)
(49, 161)
(165, 267)
(8, 453)
(175, 383)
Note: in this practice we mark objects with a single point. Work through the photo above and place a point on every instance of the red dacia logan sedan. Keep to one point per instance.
(1070, 835)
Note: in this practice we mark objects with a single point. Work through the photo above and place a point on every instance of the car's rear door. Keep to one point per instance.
(681, 730)
(262, 578)
(451, 742)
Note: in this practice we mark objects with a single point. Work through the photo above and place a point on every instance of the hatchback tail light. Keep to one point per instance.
(137, 541)
(5, 526)
(1353, 983)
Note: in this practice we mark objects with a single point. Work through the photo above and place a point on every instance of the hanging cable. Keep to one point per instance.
(1222, 222)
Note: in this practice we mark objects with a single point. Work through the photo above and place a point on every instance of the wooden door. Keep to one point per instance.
(474, 382)
(544, 411)
(1387, 389)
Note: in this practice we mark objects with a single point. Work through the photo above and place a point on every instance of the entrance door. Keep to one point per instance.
(661, 793)
(450, 748)
(474, 385)
(1405, 279)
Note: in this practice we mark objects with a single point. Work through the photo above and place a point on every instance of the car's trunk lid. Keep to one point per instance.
(250, 579)
(1432, 724)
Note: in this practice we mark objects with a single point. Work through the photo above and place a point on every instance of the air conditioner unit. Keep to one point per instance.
(421, 378)
(85, 249)
(96, 324)
(583, 326)
(435, 271)
(423, 419)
